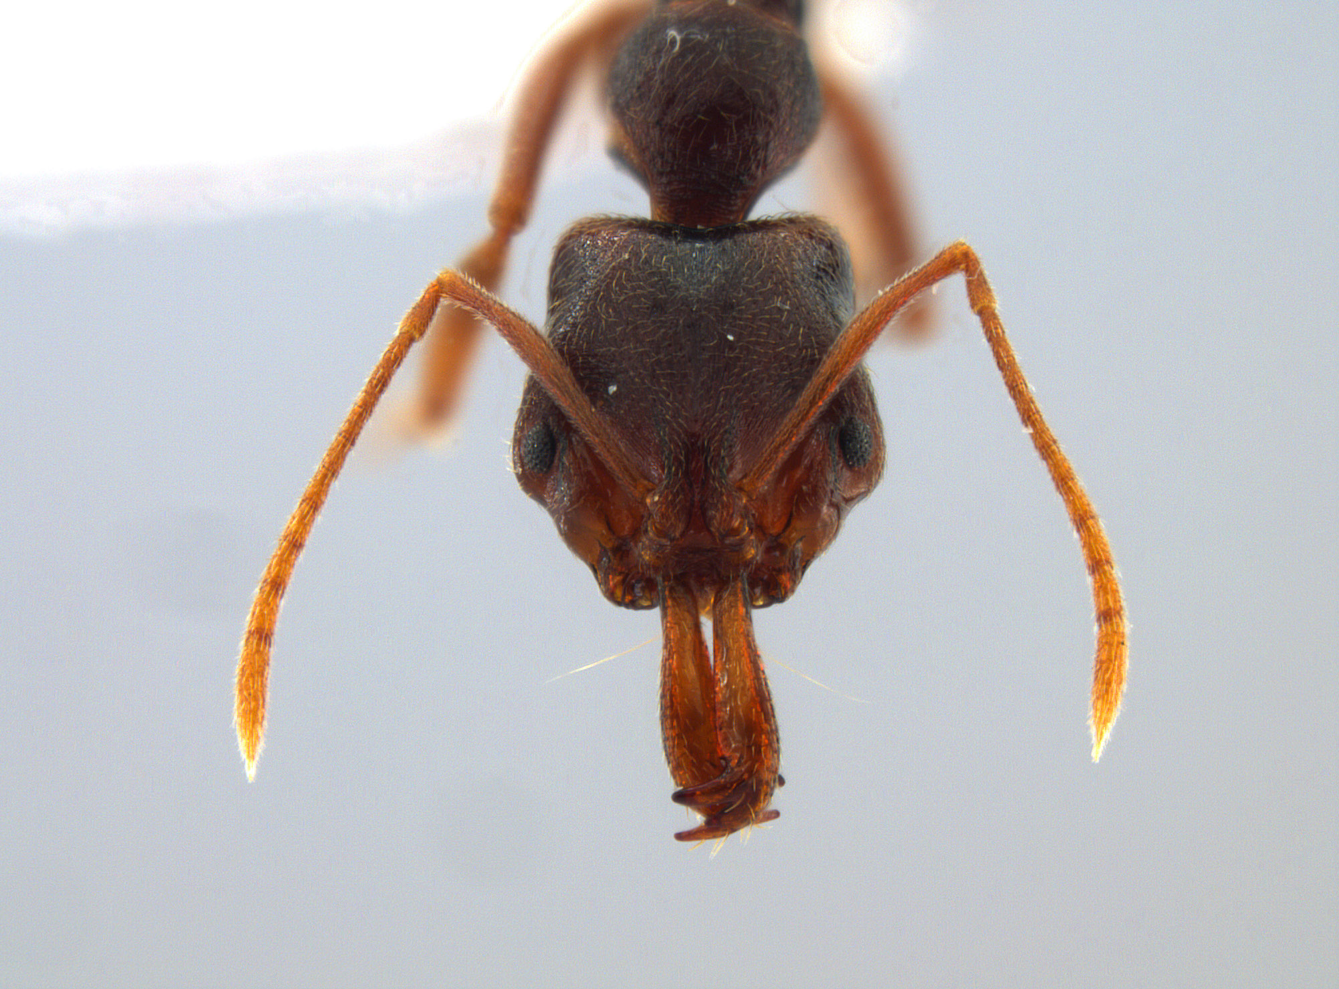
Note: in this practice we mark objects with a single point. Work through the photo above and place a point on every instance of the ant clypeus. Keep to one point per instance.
(697, 419)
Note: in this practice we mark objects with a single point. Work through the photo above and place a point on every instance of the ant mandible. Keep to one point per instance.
(697, 419)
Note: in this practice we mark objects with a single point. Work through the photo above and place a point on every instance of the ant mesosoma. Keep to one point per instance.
(697, 419)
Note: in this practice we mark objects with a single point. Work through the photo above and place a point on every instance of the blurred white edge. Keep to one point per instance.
(381, 179)
(463, 157)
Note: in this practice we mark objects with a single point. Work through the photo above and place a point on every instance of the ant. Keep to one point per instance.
(697, 419)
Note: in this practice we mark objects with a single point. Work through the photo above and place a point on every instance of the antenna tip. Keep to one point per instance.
(1101, 732)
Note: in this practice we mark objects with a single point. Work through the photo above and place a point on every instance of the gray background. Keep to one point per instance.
(1153, 189)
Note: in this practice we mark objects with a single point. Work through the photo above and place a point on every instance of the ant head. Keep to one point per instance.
(695, 346)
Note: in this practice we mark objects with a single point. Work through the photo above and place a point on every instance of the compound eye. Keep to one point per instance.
(855, 440)
(539, 449)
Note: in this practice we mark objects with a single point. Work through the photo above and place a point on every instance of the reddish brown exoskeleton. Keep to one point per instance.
(697, 420)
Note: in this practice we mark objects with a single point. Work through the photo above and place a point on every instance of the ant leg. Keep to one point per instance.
(870, 200)
(845, 355)
(454, 335)
(549, 370)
